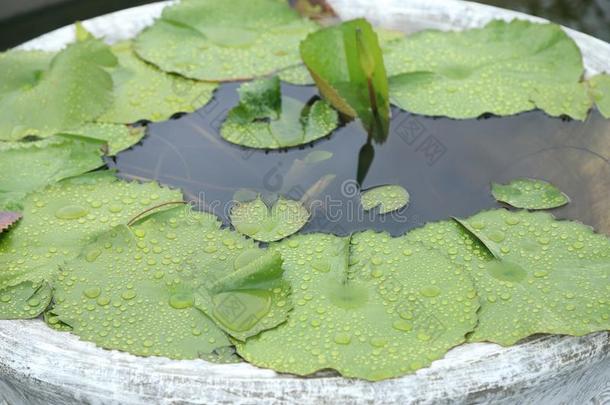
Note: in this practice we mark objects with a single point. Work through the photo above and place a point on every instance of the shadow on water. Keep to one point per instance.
(446, 165)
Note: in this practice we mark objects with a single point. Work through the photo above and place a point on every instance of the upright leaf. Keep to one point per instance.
(599, 87)
(347, 65)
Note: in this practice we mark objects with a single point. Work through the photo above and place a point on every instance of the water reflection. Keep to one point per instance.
(446, 165)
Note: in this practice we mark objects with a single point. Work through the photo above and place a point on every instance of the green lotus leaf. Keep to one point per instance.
(347, 65)
(266, 119)
(29, 166)
(296, 75)
(171, 284)
(503, 68)
(40, 95)
(143, 92)
(118, 136)
(267, 224)
(534, 274)
(57, 223)
(215, 40)
(531, 194)
(600, 91)
(8, 219)
(378, 307)
(388, 198)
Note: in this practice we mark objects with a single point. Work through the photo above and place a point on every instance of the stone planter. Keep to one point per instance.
(41, 366)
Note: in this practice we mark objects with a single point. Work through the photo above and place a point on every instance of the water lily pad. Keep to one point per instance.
(534, 274)
(7, 219)
(143, 92)
(503, 68)
(297, 75)
(600, 91)
(347, 65)
(119, 137)
(378, 307)
(43, 96)
(29, 166)
(216, 40)
(267, 224)
(388, 198)
(57, 222)
(531, 194)
(169, 285)
(266, 119)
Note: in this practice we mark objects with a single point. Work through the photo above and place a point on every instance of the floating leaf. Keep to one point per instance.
(7, 219)
(164, 280)
(347, 65)
(530, 194)
(57, 222)
(547, 276)
(377, 308)
(296, 75)
(143, 92)
(388, 198)
(119, 137)
(600, 91)
(216, 40)
(29, 166)
(256, 220)
(266, 119)
(42, 97)
(503, 68)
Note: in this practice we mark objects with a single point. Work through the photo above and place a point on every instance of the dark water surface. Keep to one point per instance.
(445, 164)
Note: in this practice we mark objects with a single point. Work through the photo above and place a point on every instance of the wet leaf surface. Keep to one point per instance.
(374, 307)
(29, 166)
(57, 223)
(534, 274)
(268, 223)
(531, 194)
(216, 40)
(347, 65)
(502, 69)
(42, 94)
(143, 92)
(165, 294)
(388, 198)
(266, 119)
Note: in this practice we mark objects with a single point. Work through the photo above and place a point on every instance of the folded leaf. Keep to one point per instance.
(530, 194)
(347, 65)
(599, 87)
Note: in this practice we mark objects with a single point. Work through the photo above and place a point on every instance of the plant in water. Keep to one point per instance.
(369, 306)
(388, 198)
(168, 294)
(58, 221)
(217, 40)
(264, 118)
(267, 224)
(347, 65)
(599, 87)
(503, 68)
(530, 194)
